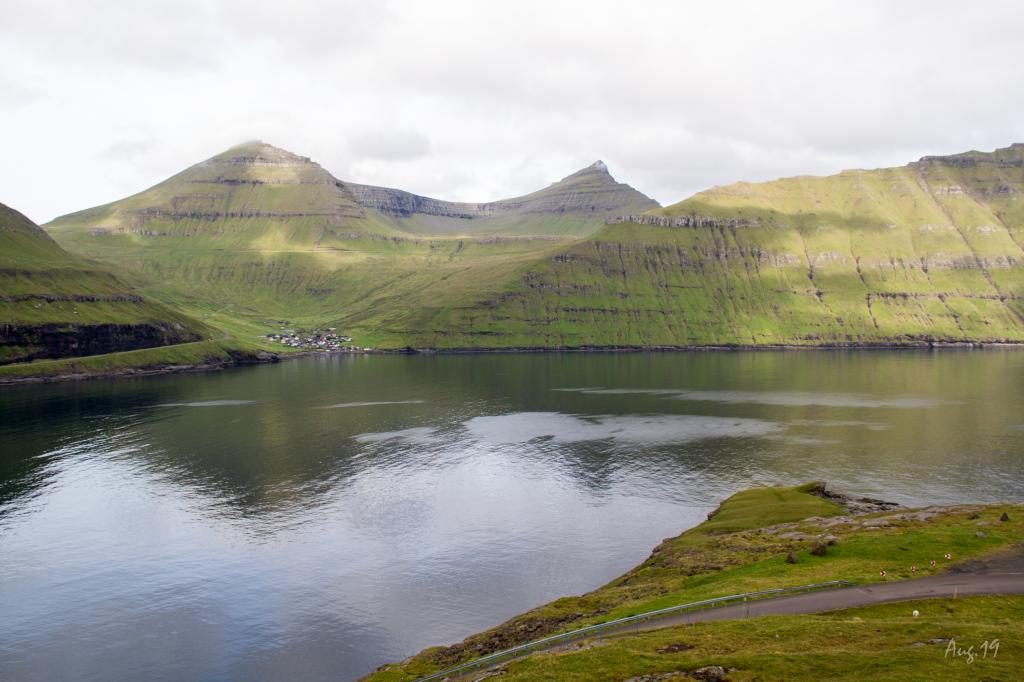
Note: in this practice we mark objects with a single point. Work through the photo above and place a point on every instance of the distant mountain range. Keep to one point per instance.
(271, 236)
(258, 237)
(255, 189)
(576, 205)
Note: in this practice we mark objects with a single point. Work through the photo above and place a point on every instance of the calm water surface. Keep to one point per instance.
(314, 519)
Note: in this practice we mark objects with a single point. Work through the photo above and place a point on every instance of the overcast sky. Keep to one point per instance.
(482, 100)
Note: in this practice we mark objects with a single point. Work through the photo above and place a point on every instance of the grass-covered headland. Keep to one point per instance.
(185, 357)
(776, 537)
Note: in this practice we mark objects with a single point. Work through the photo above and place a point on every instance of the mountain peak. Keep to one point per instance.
(21, 240)
(258, 152)
(598, 168)
(595, 172)
(258, 162)
(15, 221)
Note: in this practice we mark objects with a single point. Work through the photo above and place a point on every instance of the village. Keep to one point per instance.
(316, 339)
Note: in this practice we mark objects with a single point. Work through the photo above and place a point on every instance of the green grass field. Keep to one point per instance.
(880, 642)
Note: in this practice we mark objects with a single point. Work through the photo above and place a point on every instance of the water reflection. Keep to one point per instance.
(317, 518)
(372, 403)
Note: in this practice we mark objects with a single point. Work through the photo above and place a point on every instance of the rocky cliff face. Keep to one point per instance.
(1007, 157)
(23, 342)
(397, 203)
(683, 221)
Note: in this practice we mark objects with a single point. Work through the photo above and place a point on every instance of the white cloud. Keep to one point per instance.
(477, 101)
(389, 145)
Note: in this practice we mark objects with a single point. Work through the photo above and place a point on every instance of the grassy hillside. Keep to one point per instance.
(742, 548)
(53, 304)
(257, 234)
(927, 252)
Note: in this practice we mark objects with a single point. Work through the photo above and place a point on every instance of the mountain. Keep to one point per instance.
(56, 305)
(270, 236)
(250, 194)
(257, 195)
(924, 253)
(577, 204)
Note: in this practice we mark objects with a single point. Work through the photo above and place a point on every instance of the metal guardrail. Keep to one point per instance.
(546, 642)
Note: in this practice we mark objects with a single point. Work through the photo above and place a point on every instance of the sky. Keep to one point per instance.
(475, 101)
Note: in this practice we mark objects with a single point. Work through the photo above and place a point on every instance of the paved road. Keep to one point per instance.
(1000, 575)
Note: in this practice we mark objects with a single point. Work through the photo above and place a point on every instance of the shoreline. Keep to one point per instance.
(268, 357)
(213, 365)
(758, 538)
(716, 348)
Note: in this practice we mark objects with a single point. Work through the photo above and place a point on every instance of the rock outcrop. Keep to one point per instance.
(854, 505)
(683, 221)
(1007, 157)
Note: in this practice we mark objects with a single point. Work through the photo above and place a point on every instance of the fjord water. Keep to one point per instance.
(317, 518)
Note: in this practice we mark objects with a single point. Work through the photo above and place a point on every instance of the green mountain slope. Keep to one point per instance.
(258, 234)
(928, 252)
(253, 196)
(54, 305)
